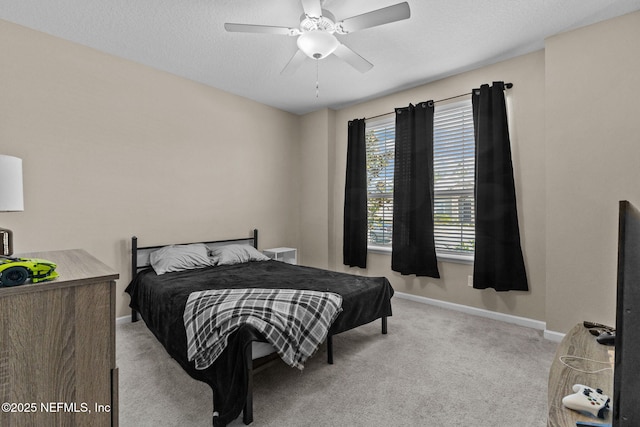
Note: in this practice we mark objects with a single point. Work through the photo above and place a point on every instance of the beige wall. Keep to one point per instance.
(112, 149)
(593, 161)
(317, 132)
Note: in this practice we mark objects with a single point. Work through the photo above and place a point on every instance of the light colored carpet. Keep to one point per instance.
(436, 367)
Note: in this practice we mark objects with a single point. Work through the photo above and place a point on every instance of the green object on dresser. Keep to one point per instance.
(16, 271)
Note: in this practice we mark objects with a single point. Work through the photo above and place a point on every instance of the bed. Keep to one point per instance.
(161, 300)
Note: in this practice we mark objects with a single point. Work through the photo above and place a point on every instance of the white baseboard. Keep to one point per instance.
(123, 319)
(508, 318)
(553, 335)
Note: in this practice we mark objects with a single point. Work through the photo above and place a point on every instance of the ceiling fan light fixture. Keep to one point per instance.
(316, 34)
(317, 44)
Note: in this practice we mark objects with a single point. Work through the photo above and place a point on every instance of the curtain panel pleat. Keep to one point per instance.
(413, 244)
(354, 247)
(498, 260)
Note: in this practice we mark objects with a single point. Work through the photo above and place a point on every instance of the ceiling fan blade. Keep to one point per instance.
(312, 8)
(352, 58)
(294, 63)
(263, 29)
(374, 18)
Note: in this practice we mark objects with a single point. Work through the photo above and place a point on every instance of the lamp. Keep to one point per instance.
(11, 196)
(317, 44)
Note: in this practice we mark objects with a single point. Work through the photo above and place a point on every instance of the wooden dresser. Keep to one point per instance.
(57, 346)
(584, 356)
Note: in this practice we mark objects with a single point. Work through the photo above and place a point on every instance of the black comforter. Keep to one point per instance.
(161, 300)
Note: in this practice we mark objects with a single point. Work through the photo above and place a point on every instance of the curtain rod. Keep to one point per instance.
(506, 86)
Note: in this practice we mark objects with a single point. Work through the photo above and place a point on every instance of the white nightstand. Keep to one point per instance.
(288, 255)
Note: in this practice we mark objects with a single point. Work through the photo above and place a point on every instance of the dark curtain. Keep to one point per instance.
(498, 259)
(354, 246)
(413, 245)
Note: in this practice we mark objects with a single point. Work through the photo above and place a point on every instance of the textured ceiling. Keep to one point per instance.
(187, 38)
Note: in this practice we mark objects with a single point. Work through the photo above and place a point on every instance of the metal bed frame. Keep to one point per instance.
(140, 261)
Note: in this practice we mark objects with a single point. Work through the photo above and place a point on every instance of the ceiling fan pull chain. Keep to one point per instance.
(317, 79)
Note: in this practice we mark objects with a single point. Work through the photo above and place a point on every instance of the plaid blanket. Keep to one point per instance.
(294, 322)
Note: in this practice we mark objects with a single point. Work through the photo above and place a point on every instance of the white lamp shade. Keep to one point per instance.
(317, 44)
(11, 195)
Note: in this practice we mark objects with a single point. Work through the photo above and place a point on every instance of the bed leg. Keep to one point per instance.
(134, 316)
(213, 419)
(384, 325)
(247, 412)
(330, 349)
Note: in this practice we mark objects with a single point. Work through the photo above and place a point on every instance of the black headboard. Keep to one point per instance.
(140, 254)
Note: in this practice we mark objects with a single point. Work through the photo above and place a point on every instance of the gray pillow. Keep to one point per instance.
(180, 257)
(235, 254)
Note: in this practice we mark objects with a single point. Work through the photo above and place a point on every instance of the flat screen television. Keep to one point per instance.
(626, 377)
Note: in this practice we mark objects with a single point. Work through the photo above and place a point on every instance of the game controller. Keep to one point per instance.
(587, 400)
(591, 325)
(607, 338)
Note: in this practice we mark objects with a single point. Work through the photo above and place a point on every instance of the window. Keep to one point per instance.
(380, 140)
(454, 166)
(453, 181)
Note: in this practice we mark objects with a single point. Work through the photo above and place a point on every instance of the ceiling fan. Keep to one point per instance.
(316, 33)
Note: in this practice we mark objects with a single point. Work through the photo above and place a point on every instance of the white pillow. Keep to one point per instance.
(235, 254)
(180, 257)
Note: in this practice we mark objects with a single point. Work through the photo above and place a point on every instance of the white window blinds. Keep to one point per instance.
(380, 141)
(454, 168)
